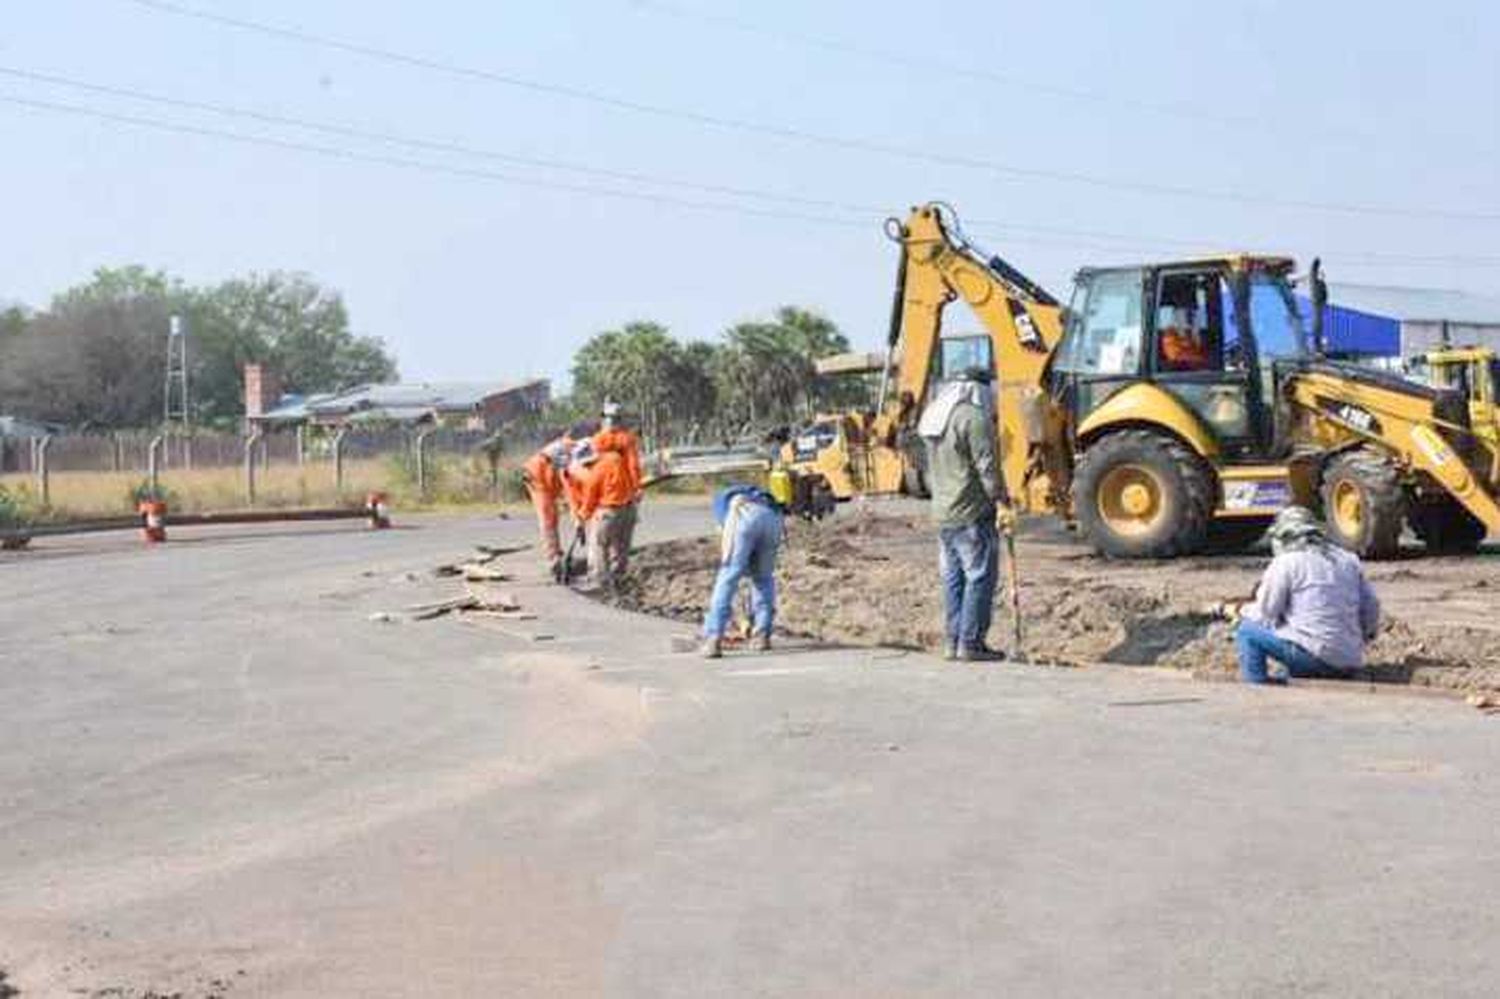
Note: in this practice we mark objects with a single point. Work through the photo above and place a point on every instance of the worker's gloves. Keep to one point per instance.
(1225, 610)
(1005, 518)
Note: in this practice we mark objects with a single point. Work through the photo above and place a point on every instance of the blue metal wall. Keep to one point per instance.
(1349, 331)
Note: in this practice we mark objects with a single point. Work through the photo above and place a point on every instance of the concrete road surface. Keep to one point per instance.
(219, 776)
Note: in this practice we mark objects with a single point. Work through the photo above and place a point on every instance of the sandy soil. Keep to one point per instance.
(867, 577)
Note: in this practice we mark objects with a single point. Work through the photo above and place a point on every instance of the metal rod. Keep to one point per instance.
(251, 443)
(43, 477)
(338, 460)
(422, 436)
(153, 463)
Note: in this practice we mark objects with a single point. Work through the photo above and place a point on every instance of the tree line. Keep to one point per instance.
(95, 358)
(757, 375)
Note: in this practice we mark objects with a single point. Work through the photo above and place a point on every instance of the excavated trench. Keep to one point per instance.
(866, 577)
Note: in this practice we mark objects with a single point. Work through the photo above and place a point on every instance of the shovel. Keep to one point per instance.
(1012, 585)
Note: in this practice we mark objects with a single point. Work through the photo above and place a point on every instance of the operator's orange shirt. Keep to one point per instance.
(1183, 351)
(628, 446)
(608, 484)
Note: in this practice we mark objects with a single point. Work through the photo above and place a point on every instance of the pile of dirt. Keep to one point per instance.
(866, 578)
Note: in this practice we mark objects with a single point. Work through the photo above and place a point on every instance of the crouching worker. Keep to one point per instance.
(751, 524)
(1313, 611)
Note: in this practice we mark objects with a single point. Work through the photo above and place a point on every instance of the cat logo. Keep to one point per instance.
(1026, 330)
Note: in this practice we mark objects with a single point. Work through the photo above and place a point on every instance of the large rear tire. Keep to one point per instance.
(1364, 503)
(1140, 494)
(1446, 528)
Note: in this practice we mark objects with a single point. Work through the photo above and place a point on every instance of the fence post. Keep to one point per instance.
(153, 463)
(43, 479)
(251, 443)
(338, 460)
(115, 458)
(301, 444)
(422, 436)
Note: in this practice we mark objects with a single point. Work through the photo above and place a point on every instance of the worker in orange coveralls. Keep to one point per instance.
(543, 473)
(610, 492)
(613, 435)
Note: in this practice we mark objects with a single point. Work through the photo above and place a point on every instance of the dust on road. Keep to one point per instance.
(870, 578)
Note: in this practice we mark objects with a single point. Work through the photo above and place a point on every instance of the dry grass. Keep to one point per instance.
(94, 494)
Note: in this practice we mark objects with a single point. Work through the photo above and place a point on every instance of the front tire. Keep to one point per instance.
(1364, 503)
(1140, 494)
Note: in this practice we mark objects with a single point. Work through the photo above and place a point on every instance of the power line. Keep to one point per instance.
(332, 152)
(791, 133)
(430, 145)
(344, 130)
(1177, 109)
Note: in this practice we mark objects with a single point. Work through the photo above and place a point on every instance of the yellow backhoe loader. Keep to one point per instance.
(1169, 405)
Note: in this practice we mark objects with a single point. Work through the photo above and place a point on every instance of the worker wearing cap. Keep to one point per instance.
(616, 511)
(543, 474)
(613, 435)
(608, 507)
(1314, 609)
(968, 501)
(750, 522)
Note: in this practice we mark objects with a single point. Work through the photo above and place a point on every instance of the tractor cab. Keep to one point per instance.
(1205, 332)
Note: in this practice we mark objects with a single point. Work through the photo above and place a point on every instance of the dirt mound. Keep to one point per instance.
(864, 578)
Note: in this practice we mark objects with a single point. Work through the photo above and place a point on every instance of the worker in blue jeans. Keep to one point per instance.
(969, 563)
(1313, 611)
(968, 500)
(751, 528)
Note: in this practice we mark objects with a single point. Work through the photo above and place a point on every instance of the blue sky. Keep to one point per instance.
(1279, 110)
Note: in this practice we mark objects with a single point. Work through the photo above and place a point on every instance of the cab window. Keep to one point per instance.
(1190, 330)
(959, 353)
(1104, 325)
(1274, 317)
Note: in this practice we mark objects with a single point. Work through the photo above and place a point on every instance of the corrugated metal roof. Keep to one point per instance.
(1416, 304)
(405, 400)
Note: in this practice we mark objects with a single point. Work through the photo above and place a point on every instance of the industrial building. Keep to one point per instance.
(1388, 323)
(460, 405)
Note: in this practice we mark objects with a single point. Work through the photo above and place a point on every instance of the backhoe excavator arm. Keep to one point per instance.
(1338, 404)
(1024, 325)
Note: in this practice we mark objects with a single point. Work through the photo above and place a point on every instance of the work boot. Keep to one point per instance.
(980, 654)
(761, 643)
(713, 648)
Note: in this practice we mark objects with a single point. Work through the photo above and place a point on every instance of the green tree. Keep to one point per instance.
(766, 371)
(288, 322)
(96, 356)
(635, 366)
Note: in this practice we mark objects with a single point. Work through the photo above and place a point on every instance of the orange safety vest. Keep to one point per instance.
(608, 484)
